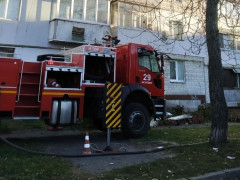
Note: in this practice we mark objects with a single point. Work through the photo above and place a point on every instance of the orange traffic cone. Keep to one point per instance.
(87, 149)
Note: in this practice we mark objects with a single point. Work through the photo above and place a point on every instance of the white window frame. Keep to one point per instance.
(140, 18)
(84, 11)
(176, 25)
(6, 11)
(177, 68)
(226, 40)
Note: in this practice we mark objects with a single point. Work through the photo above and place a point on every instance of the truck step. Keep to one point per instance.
(159, 113)
(26, 117)
(28, 111)
(27, 107)
(158, 106)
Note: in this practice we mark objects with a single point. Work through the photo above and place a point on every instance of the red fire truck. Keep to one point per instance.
(120, 87)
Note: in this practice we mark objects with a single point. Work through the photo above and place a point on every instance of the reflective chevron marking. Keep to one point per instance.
(113, 105)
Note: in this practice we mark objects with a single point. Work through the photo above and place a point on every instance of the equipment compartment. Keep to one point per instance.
(63, 77)
(99, 69)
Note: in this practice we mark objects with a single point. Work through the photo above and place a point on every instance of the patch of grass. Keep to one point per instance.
(189, 161)
(233, 115)
(179, 135)
(186, 135)
(20, 165)
(9, 125)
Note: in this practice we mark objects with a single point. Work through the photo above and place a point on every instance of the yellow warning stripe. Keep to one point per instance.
(110, 90)
(62, 93)
(109, 84)
(117, 123)
(114, 120)
(113, 114)
(114, 92)
(113, 101)
(7, 92)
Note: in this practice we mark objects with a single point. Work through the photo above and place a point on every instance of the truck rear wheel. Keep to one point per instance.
(136, 120)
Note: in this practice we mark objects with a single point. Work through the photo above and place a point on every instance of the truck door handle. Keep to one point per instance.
(137, 79)
(3, 83)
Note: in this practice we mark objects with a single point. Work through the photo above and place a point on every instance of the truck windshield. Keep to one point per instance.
(148, 60)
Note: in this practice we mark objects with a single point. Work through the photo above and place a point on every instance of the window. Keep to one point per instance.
(125, 15)
(177, 71)
(9, 9)
(237, 82)
(230, 78)
(6, 52)
(235, 42)
(230, 9)
(78, 9)
(176, 30)
(135, 16)
(90, 10)
(221, 40)
(148, 60)
(65, 9)
(229, 41)
(236, 78)
(102, 11)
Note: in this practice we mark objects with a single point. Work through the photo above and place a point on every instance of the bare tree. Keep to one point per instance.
(219, 126)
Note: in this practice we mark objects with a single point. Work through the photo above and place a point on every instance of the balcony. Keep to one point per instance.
(77, 32)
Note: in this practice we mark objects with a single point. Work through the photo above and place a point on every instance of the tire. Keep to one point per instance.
(135, 121)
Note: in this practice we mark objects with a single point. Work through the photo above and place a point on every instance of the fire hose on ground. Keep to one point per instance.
(104, 153)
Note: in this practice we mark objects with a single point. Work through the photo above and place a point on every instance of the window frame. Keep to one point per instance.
(150, 59)
(84, 13)
(229, 42)
(7, 52)
(237, 81)
(140, 16)
(175, 25)
(6, 9)
(177, 70)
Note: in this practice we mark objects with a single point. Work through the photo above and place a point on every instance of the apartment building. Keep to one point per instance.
(29, 28)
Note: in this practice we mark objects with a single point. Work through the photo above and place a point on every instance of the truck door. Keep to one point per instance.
(148, 72)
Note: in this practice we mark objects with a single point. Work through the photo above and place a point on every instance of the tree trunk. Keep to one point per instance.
(219, 125)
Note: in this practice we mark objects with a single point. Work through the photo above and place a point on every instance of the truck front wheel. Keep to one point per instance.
(135, 121)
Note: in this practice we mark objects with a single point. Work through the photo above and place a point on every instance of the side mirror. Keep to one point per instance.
(162, 60)
(161, 63)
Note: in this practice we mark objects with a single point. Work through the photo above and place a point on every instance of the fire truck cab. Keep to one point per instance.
(120, 87)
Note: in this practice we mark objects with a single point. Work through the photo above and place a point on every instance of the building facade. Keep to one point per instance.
(29, 28)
